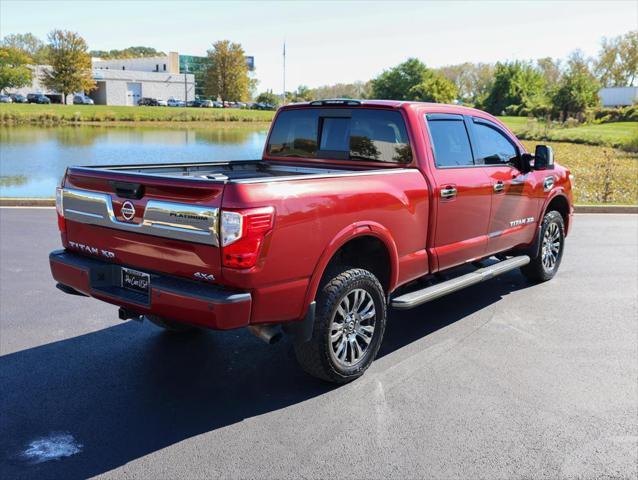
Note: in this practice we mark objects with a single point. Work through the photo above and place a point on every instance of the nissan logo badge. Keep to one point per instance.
(128, 210)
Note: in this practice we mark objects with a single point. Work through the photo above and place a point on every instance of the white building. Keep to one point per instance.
(125, 81)
(161, 64)
(618, 96)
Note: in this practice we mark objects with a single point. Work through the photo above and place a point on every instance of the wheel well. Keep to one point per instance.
(559, 203)
(365, 252)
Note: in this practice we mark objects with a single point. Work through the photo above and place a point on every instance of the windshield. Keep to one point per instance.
(344, 134)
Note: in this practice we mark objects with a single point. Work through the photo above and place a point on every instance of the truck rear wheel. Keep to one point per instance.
(348, 330)
(552, 243)
(170, 325)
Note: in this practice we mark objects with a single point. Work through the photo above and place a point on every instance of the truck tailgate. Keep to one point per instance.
(158, 224)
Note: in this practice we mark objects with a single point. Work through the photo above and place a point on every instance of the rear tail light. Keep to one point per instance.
(59, 207)
(242, 234)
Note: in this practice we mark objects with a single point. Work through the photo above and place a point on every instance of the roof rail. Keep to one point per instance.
(336, 101)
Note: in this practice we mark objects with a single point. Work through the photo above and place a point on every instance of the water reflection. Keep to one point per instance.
(32, 159)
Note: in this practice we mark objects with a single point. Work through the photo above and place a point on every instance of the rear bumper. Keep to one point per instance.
(170, 297)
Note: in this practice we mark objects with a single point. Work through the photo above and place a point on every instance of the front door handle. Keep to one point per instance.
(448, 192)
(499, 186)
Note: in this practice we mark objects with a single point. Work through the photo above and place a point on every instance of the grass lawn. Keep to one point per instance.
(52, 114)
(618, 134)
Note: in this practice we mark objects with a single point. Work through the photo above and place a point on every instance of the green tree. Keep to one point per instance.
(434, 88)
(302, 94)
(517, 85)
(268, 97)
(14, 70)
(70, 62)
(28, 43)
(130, 52)
(617, 64)
(227, 75)
(577, 90)
(396, 83)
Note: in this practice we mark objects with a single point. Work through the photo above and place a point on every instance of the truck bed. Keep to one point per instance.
(233, 170)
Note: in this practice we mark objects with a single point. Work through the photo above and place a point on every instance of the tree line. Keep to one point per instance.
(545, 87)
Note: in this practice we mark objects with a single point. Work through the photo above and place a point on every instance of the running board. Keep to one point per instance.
(419, 297)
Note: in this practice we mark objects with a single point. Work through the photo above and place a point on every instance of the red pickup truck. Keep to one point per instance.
(354, 207)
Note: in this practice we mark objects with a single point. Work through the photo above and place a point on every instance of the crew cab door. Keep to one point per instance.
(515, 194)
(462, 193)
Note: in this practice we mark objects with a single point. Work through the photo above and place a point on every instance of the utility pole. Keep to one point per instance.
(283, 99)
(185, 85)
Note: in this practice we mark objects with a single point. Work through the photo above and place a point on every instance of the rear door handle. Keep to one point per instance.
(448, 192)
(499, 186)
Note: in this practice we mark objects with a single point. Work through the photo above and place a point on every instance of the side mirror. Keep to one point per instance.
(543, 158)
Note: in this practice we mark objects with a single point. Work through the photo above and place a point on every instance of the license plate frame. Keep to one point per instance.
(135, 281)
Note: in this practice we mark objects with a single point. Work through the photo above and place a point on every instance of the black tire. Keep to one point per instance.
(170, 325)
(319, 356)
(541, 268)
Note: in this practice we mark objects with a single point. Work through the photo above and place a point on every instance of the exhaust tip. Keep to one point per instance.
(269, 334)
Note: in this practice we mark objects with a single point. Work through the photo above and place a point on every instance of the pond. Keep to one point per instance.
(33, 159)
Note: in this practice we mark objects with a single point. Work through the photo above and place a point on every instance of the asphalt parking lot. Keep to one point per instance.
(502, 380)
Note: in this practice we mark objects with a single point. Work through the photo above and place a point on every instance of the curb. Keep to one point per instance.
(50, 202)
(606, 209)
(27, 202)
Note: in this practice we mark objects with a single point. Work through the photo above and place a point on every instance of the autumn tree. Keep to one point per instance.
(617, 64)
(14, 69)
(227, 74)
(473, 80)
(70, 63)
(29, 44)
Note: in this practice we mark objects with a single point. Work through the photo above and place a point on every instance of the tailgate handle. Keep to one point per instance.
(128, 190)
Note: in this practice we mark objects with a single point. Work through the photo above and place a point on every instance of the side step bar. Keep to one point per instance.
(419, 297)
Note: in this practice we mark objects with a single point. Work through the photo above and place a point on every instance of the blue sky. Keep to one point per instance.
(329, 42)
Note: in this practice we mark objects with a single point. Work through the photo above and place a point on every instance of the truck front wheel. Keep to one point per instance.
(552, 243)
(348, 330)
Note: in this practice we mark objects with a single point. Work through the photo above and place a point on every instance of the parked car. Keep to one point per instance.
(148, 102)
(18, 98)
(264, 106)
(355, 207)
(218, 104)
(82, 100)
(38, 98)
(172, 102)
(5, 99)
(201, 103)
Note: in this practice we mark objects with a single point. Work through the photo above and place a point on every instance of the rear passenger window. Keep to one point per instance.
(451, 143)
(493, 147)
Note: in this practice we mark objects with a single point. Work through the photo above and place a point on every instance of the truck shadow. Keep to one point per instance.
(130, 390)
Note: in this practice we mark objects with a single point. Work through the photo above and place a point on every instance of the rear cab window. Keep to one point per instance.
(360, 134)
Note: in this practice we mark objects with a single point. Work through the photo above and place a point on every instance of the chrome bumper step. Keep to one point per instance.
(419, 297)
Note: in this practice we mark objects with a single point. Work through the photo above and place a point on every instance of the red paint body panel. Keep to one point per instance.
(315, 215)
